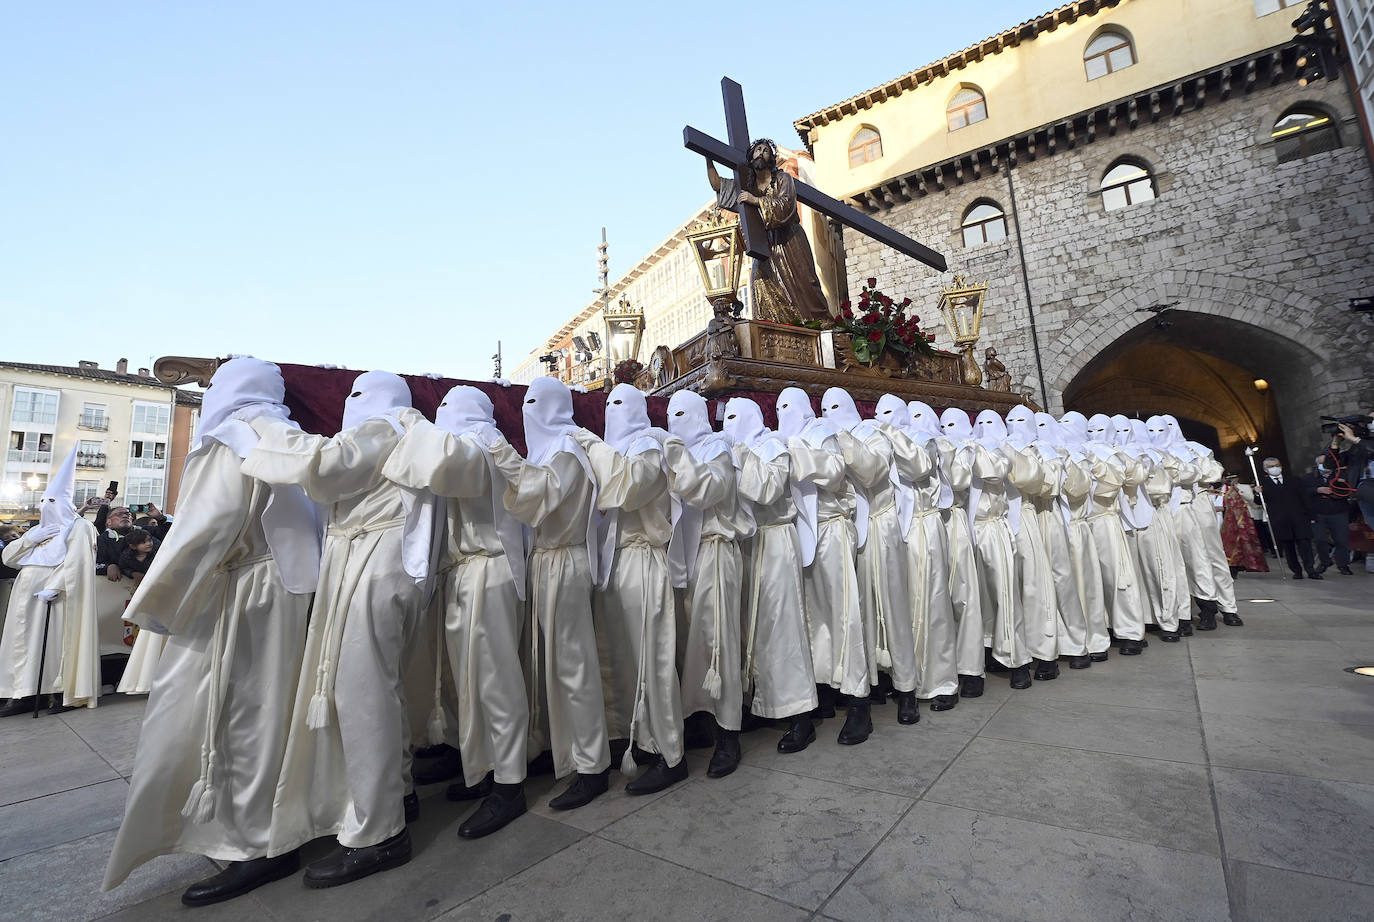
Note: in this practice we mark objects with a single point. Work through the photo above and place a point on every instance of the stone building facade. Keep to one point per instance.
(1248, 263)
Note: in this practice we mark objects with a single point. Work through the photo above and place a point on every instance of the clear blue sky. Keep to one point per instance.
(382, 185)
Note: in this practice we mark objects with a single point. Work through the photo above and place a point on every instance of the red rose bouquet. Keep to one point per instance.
(880, 323)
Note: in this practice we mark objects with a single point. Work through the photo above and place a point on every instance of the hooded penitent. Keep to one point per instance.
(838, 408)
(743, 425)
(375, 393)
(925, 425)
(689, 420)
(549, 426)
(465, 410)
(991, 431)
(796, 419)
(242, 390)
(1021, 429)
(56, 510)
(958, 428)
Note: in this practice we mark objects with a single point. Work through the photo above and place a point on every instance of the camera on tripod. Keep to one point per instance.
(1359, 424)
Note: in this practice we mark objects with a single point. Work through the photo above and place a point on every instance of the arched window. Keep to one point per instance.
(967, 106)
(865, 147)
(1107, 54)
(1302, 133)
(984, 223)
(1125, 184)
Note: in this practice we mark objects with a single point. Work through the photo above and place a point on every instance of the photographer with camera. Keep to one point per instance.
(1328, 497)
(1356, 433)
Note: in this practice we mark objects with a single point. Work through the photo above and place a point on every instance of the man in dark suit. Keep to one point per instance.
(1289, 517)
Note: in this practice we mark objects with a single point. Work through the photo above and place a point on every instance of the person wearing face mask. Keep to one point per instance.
(634, 605)
(349, 743)
(226, 600)
(916, 459)
(480, 586)
(989, 508)
(1330, 514)
(1290, 517)
(777, 657)
(710, 519)
(881, 559)
(965, 576)
(825, 524)
(52, 599)
(553, 490)
(1049, 506)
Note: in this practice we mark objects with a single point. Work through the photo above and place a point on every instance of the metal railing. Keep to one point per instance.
(24, 456)
(90, 460)
(155, 464)
(98, 423)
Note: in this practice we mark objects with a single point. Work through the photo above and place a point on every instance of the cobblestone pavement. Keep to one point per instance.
(1229, 776)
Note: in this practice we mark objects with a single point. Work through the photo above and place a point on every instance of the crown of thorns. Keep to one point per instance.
(765, 142)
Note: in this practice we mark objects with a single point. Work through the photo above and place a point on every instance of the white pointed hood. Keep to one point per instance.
(467, 411)
(893, 411)
(56, 509)
(1021, 428)
(242, 390)
(689, 419)
(1121, 430)
(956, 425)
(548, 415)
(989, 428)
(376, 393)
(797, 419)
(744, 425)
(839, 408)
(925, 421)
(627, 421)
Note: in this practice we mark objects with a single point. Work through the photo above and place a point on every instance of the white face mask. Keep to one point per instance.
(1273, 470)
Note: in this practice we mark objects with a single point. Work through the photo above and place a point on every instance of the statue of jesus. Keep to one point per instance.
(785, 286)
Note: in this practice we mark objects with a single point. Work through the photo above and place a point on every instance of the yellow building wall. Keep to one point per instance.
(1043, 80)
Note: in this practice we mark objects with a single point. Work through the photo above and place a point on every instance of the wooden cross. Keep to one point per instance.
(735, 155)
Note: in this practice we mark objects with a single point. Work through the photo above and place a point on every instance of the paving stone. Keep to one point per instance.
(945, 862)
(36, 824)
(45, 756)
(1263, 894)
(1148, 732)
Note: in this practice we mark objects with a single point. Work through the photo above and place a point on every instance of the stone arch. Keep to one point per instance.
(1250, 325)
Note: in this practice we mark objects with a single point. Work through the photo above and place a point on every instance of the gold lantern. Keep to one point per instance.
(719, 251)
(961, 305)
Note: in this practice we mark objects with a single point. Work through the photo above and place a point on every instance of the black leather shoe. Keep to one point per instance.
(1046, 670)
(1207, 621)
(970, 686)
(445, 768)
(411, 803)
(879, 693)
(1344, 571)
(642, 757)
(17, 706)
(1081, 661)
(801, 732)
(1185, 627)
(1169, 636)
(858, 724)
(499, 809)
(1131, 648)
(346, 865)
(1231, 618)
(460, 791)
(1323, 568)
(583, 790)
(1098, 657)
(658, 776)
(1315, 576)
(1021, 678)
(726, 757)
(825, 695)
(908, 711)
(1297, 574)
(944, 702)
(239, 877)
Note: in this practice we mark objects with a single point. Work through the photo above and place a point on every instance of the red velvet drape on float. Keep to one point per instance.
(316, 398)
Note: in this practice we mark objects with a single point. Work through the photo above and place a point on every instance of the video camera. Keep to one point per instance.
(1359, 423)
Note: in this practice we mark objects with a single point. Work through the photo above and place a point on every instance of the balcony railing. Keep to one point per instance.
(98, 423)
(90, 461)
(23, 456)
(154, 464)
